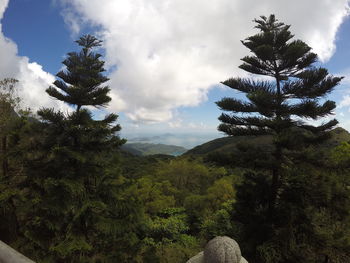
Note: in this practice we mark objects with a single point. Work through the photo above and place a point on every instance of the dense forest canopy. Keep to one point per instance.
(277, 184)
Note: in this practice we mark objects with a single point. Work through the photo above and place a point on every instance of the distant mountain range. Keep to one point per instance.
(230, 143)
(144, 149)
(222, 145)
(187, 140)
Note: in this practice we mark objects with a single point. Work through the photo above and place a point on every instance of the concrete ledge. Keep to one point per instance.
(9, 255)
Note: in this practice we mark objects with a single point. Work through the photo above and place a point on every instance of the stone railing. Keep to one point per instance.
(219, 250)
(9, 255)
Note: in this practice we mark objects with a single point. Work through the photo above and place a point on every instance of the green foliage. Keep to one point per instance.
(219, 223)
(169, 225)
(179, 195)
(167, 239)
(311, 218)
(9, 102)
(188, 176)
(77, 209)
(221, 191)
(143, 149)
(155, 196)
(11, 175)
(340, 155)
(314, 219)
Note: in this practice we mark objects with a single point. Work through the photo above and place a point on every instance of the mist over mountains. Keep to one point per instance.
(186, 140)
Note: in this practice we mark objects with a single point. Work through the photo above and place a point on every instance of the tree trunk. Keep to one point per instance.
(276, 178)
(274, 190)
(276, 172)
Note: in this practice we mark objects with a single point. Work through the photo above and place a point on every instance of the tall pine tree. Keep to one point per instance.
(76, 209)
(81, 81)
(282, 106)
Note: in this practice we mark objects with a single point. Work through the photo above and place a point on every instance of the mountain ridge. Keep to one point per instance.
(145, 149)
(229, 143)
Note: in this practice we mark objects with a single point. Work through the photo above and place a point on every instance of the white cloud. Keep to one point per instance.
(3, 6)
(175, 123)
(33, 80)
(345, 102)
(346, 74)
(344, 91)
(344, 120)
(170, 53)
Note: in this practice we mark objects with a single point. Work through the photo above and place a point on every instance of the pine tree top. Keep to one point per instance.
(274, 52)
(81, 80)
(291, 96)
(89, 41)
(268, 24)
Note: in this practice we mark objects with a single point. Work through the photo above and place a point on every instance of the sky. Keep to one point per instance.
(165, 58)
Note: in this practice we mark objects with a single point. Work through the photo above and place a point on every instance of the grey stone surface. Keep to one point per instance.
(222, 250)
(9, 255)
(199, 258)
(219, 250)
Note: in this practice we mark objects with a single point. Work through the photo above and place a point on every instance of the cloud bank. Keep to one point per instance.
(167, 54)
(33, 80)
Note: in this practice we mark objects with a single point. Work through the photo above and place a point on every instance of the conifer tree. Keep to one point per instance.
(80, 83)
(282, 105)
(77, 211)
(273, 209)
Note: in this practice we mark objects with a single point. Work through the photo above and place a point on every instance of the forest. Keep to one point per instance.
(278, 183)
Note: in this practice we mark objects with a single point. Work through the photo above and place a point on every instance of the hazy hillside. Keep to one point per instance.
(143, 149)
(229, 144)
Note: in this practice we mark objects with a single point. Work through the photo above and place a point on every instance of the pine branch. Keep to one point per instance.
(51, 116)
(312, 83)
(256, 66)
(239, 131)
(249, 86)
(321, 128)
(312, 109)
(231, 104)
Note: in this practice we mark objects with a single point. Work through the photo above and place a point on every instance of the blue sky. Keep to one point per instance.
(165, 98)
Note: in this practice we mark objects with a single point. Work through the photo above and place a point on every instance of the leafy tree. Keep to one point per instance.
(8, 103)
(340, 155)
(77, 211)
(155, 196)
(311, 221)
(188, 176)
(280, 105)
(219, 223)
(9, 174)
(167, 239)
(14, 124)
